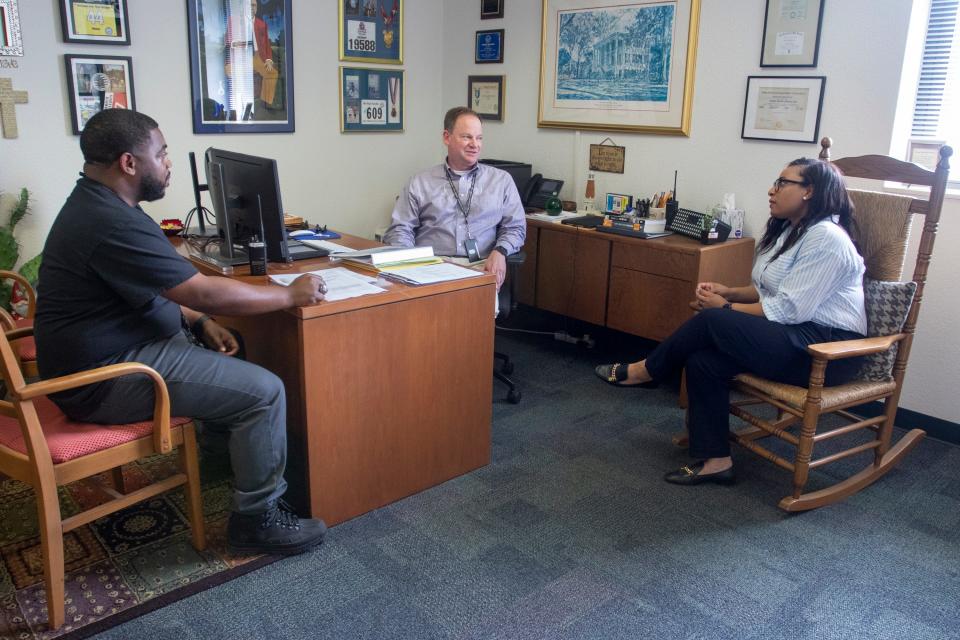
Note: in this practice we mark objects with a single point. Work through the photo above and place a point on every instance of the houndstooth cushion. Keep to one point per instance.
(887, 305)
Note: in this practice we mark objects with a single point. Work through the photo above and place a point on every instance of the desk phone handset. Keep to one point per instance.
(691, 223)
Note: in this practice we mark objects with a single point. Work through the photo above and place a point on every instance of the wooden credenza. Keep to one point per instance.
(642, 287)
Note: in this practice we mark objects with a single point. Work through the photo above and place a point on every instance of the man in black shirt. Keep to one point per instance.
(112, 289)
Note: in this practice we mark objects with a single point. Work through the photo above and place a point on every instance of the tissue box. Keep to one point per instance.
(733, 217)
(651, 225)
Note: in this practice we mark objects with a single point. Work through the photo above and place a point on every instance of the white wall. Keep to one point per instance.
(346, 181)
(349, 181)
(861, 54)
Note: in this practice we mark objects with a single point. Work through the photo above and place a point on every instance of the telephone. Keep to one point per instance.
(538, 190)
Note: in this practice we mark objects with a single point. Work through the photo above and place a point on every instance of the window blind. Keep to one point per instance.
(937, 106)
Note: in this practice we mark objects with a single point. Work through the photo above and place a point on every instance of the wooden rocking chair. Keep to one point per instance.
(883, 253)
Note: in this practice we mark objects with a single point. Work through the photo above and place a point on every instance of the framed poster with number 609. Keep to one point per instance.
(371, 99)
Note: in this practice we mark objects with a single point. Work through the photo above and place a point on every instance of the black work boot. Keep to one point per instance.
(276, 531)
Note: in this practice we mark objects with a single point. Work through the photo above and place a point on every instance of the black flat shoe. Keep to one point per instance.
(616, 374)
(691, 475)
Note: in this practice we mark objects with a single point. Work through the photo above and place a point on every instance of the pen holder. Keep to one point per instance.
(657, 213)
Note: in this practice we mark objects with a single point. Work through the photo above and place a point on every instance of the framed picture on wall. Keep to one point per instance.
(11, 43)
(491, 9)
(241, 66)
(624, 66)
(95, 83)
(785, 108)
(791, 33)
(488, 46)
(94, 22)
(371, 31)
(371, 99)
(485, 95)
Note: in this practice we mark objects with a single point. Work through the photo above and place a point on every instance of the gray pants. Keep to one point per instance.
(232, 399)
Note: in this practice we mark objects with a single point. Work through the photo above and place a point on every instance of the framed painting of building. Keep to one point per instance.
(623, 67)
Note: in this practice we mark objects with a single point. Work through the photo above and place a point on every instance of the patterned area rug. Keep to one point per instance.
(120, 566)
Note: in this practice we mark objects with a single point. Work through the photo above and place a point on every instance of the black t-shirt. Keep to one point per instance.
(105, 266)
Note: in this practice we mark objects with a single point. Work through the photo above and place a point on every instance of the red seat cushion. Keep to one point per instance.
(67, 439)
(26, 347)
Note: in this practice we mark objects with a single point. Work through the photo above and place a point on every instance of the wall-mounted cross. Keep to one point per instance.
(9, 99)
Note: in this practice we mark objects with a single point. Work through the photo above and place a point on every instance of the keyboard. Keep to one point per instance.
(588, 222)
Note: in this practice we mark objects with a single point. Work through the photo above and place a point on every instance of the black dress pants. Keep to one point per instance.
(717, 344)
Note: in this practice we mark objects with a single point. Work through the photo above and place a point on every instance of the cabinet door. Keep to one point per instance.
(572, 274)
(648, 305)
(526, 286)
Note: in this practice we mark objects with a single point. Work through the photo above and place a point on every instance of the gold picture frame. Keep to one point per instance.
(595, 76)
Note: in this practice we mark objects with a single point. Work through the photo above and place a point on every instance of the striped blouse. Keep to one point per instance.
(819, 279)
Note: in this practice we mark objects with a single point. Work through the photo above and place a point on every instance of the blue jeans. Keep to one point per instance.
(717, 344)
(233, 399)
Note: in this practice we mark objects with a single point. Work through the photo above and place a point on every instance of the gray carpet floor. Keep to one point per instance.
(571, 533)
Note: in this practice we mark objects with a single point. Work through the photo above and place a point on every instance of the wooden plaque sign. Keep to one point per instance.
(607, 157)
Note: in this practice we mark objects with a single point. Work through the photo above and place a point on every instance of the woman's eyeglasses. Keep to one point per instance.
(779, 182)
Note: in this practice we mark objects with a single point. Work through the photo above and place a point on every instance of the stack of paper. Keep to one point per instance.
(431, 273)
(341, 283)
(381, 259)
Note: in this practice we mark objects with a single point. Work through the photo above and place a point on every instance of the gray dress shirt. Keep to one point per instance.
(427, 213)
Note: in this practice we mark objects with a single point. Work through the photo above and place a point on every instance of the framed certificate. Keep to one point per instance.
(95, 83)
(94, 21)
(783, 108)
(371, 31)
(485, 96)
(791, 33)
(489, 46)
(371, 99)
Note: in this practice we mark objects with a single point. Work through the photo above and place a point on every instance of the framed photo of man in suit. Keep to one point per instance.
(241, 66)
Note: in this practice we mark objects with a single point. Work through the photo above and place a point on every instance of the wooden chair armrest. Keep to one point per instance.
(161, 403)
(26, 286)
(853, 348)
(6, 320)
(18, 334)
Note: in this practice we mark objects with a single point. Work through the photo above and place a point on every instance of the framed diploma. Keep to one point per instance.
(783, 108)
(371, 99)
(10, 42)
(791, 33)
(94, 21)
(95, 83)
(241, 66)
(371, 31)
(485, 95)
(490, 9)
(489, 46)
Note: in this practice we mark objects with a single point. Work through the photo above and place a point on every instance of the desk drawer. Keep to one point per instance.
(651, 259)
(647, 305)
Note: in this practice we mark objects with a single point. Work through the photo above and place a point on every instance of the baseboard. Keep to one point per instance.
(907, 419)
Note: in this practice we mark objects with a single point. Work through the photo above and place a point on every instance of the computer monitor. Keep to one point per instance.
(245, 191)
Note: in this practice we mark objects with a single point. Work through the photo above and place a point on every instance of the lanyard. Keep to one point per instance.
(465, 210)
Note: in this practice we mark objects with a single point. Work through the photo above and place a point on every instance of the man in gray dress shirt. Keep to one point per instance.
(461, 207)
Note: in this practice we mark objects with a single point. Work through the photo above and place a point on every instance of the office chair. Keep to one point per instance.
(883, 222)
(507, 300)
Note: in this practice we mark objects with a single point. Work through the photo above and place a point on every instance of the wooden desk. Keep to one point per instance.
(387, 394)
(638, 286)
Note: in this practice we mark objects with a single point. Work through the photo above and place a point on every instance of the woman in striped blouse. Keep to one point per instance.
(806, 289)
